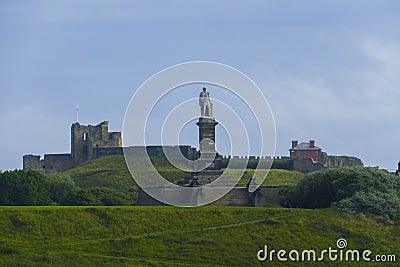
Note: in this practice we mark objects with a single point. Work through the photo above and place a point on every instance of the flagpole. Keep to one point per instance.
(76, 109)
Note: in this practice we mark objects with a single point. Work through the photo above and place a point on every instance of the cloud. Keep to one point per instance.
(353, 110)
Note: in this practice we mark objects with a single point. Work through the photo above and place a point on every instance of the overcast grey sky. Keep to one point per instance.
(329, 69)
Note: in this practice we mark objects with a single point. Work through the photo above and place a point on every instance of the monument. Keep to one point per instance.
(206, 124)
(208, 165)
(206, 107)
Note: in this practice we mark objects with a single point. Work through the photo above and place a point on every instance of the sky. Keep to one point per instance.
(329, 69)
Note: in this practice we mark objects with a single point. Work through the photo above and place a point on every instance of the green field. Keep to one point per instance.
(171, 236)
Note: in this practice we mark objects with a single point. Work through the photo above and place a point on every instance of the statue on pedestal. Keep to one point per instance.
(206, 106)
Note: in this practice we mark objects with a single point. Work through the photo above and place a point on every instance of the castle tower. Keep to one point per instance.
(79, 143)
(86, 138)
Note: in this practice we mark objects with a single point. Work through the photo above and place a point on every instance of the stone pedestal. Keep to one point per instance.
(207, 154)
(207, 130)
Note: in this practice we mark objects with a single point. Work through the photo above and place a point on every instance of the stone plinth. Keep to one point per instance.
(207, 153)
(207, 130)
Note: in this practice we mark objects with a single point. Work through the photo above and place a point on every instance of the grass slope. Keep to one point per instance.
(170, 236)
(274, 177)
(111, 171)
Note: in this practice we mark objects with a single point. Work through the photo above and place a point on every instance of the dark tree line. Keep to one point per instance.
(351, 189)
(34, 188)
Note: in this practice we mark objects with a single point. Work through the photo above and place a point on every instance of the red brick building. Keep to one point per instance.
(306, 150)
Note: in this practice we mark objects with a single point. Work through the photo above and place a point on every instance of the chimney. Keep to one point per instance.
(312, 143)
(294, 144)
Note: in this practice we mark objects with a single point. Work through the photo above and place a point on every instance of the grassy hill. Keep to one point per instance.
(170, 236)
(111, 171)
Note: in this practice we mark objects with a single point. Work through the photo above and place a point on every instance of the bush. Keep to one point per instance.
(351, 189)
(61, 187)
(382, 205)
(81, 197)
(24, 188)
(112, 197)
(35, 188)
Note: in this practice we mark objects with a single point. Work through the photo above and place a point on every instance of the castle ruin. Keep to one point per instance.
(91, 142)
(87, 142)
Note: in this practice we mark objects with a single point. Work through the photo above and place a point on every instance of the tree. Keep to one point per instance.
(35, 188)
(112, 197)
(24, 188)
(352, 189)
(81, 197)
(61, 187)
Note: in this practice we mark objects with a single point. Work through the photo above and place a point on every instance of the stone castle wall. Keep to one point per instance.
(306, 165)
(153, 151)
(32, 162)
(159, 151)
(51, 163)
(98, 152)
